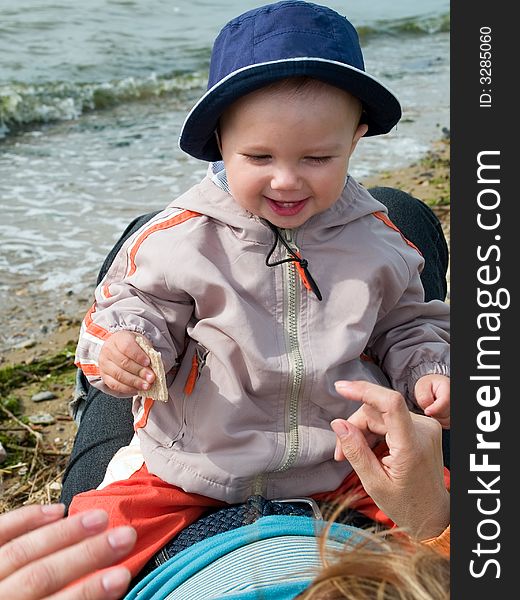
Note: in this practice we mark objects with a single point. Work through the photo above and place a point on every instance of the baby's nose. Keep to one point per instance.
(285, 178)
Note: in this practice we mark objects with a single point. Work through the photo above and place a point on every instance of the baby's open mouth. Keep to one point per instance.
(286, 209)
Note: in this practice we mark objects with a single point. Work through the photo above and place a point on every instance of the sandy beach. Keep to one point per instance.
(37, 377)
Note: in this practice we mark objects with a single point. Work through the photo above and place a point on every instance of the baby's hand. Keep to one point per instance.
(432, 393)
(123, 364)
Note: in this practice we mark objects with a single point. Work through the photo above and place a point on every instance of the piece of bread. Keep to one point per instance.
(158, 390)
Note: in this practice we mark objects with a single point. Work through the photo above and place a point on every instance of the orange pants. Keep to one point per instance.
(156, 510)
(159, 511)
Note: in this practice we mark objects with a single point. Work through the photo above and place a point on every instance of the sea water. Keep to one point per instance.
(93, 94)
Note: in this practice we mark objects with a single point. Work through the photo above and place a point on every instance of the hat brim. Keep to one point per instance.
(382, 109)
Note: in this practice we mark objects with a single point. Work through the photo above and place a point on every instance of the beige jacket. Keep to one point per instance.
(250, 405)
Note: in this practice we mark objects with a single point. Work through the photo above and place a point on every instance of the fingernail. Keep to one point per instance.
(53, 510)
(145, 386)
(340, 385)
(340, 428)
(121, 537)
(149, 377)
(115, 580)
(94, 520)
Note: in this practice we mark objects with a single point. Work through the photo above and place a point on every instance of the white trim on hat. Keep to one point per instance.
(274, 62)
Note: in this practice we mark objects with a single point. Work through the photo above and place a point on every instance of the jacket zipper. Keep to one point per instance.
(198, 363)
(296, 368)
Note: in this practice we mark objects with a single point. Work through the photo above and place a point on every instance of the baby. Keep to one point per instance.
(274, 277)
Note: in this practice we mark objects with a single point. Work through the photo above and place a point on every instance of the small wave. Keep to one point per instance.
(419, 25)
(24, 105)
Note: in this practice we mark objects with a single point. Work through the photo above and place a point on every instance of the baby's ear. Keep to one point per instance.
(362, 128)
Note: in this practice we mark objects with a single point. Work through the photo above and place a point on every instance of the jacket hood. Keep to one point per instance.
(210, 199)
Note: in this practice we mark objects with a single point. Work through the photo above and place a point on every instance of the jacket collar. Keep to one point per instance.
(212, 198)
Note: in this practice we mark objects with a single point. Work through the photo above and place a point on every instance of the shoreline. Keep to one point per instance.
(37, 454)
(426, 179)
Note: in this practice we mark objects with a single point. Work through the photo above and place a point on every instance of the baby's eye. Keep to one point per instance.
(318, 159)
(257, 158)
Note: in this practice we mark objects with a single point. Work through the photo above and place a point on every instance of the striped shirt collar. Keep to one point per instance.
(218, 175)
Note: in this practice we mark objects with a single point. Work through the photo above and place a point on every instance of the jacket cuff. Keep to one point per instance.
(440, 543)
(427, 368)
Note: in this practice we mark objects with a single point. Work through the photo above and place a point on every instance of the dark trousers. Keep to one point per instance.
(106, 422)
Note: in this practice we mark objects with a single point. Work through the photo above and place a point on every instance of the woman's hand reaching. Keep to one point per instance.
(408, 483)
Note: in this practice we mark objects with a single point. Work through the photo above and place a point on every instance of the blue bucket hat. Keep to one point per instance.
(276, 41)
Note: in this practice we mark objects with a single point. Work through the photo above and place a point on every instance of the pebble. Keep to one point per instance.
(26, 344)
(41, 396)
(42, 419)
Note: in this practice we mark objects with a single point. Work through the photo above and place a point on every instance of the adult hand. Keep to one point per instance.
(408, 483)
(123, 364)
(41, 554)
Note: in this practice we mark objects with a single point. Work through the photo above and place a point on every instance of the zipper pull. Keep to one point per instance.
(308, 280)
(300, 263)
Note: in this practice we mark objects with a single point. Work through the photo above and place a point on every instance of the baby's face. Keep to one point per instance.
(286, 154)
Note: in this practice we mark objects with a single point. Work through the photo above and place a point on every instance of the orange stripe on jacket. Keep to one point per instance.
(88, 369)
(189, 386)
(93, 328)
(184, 216)
(143, 419)
(383, 217)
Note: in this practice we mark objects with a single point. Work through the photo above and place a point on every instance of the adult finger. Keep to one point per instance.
(369, 421)
(48, 575)
(107, 585)
(388, 403)
(357, 451)
(21, 520)
(48, 539)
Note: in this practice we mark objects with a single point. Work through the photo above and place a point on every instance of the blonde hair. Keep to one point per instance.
(379, 565)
